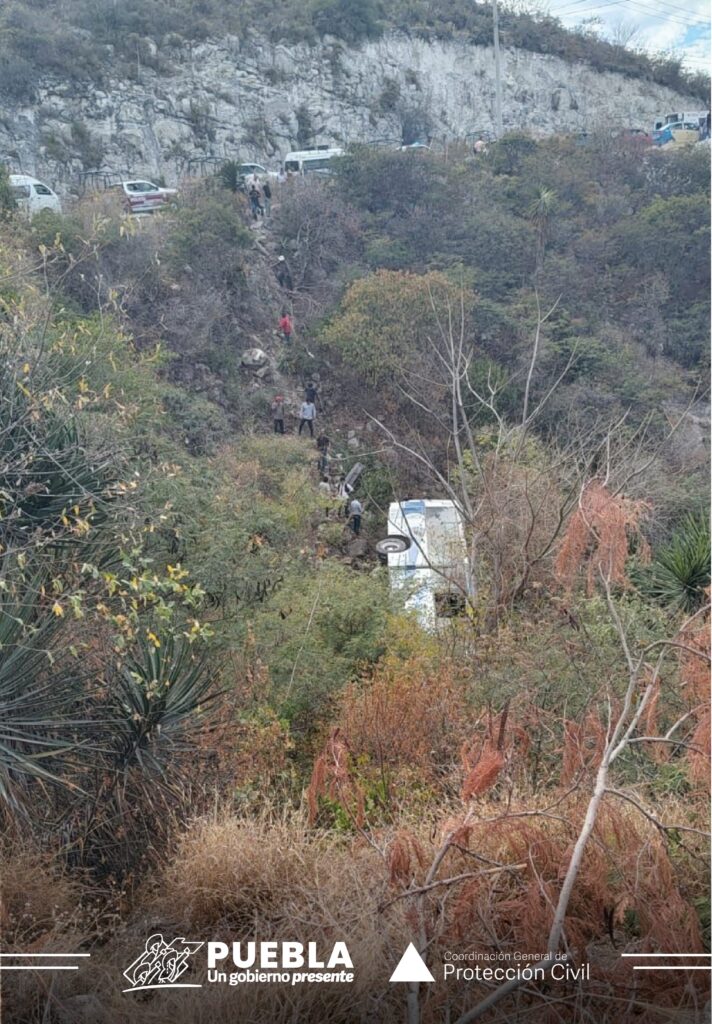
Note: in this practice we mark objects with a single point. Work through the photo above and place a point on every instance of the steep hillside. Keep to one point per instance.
(251, 98)
(224, 717)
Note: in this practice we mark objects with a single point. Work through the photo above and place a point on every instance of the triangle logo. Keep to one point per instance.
(412, 967)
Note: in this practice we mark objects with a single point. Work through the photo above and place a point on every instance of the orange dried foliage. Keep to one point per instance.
(457, 830)
(482, 769)
(626, 868)
(694, 664)
(699, 759)
(583, 746)
(483, 775)
(598, 536)
(659, 752)
(695, 679)
(332, 777)
(405, 855)
(409, 713)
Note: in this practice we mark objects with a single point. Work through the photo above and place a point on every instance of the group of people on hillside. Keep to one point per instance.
(334, 488)
(260, 195)
(336, 491)
(338, 494)
(307, 411)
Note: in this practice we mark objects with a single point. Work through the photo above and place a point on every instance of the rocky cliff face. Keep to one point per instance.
(251, 100)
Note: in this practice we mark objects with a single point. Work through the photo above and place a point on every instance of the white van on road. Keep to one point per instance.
(32, 195)
(310, 161)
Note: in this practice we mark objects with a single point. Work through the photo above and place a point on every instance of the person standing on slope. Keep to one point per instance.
(286, 327)
(307, 415)
(267, 196)
(355, 513)
(255, 204)
(283, 274)
(278, 414)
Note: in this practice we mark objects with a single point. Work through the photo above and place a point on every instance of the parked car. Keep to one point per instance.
(143, 196)
(678, 133)
(246, 170)
(32, 195)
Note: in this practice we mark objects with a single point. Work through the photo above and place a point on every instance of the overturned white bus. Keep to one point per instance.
(427, 558)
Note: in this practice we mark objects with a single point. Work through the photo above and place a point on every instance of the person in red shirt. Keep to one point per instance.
(286, 327)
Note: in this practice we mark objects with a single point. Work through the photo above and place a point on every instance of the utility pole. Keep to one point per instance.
(498, 129)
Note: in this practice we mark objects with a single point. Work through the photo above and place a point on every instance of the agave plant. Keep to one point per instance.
(47, 474)
(680, 573)
(231, 176)
(42, 720)
(158, 698)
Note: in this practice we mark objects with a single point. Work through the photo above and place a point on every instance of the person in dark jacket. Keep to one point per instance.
(283, 275)
(322, 443)
(278, 414)
(267, 196)
(310, 392)
(255, 204)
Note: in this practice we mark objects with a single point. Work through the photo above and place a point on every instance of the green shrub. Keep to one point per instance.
(389, 317)
(195, 422)
(7, 199)
(320, 627)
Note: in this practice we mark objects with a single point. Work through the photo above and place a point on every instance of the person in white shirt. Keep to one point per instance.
(307, 415)
(355, 513)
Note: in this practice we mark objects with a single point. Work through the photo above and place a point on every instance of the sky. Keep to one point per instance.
(681, 27)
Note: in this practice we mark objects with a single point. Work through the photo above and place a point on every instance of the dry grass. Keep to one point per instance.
(235, 879)
(39, 901)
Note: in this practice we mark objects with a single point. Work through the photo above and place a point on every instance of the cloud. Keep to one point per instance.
(681, 27)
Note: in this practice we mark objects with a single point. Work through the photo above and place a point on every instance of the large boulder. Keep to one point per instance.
(254, 358)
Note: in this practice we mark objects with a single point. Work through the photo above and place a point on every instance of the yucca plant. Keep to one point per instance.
(680, 573)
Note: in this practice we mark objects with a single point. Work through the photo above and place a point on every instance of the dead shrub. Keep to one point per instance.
(698, 759)
(626, 891)
(405, 856)
(519, 515)
(483, 775)
(410, 712)
(695, 686)
(598, 537)
(232, 872)
(332, 777)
